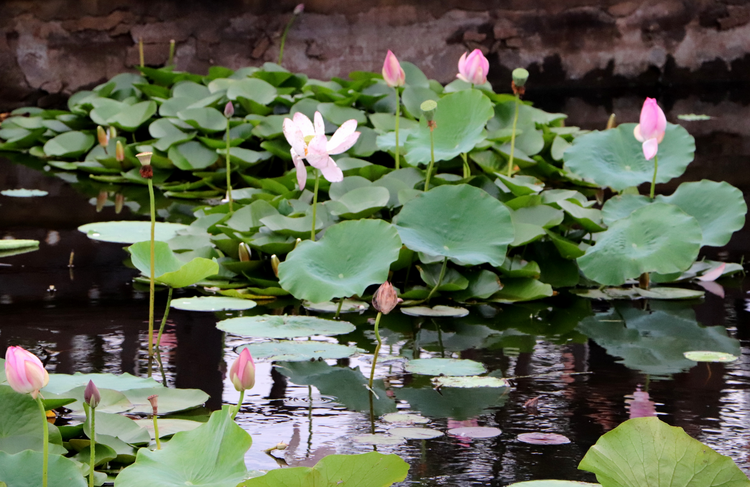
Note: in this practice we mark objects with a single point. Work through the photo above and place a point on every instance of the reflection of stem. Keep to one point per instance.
(158, 338)
(398, 113)
(377, 349)
(338, 310)
(440, 280)
(283, 38)
(229, 176)
(315, 204)
(372, 414)
(239, 404)
(440, 339)
(653, 181)
(432, 160)
(513, 140)
(92, 447)
(45, 439)
(152, 289)
(309, 420)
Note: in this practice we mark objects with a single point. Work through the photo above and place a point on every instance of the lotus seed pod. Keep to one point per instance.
(520, 76)
(144, 158)
(428, 108)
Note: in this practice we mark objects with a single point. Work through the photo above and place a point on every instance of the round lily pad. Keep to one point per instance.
(416, 433)
(444, 366)
(478, 432)
(23, 193)
(273, 326)
(130, 232)
(553, 483)
(470, 382)
(704, 356)
(294, 351)
(212, 303)
(410, 418)
(349, 306)
(378, 439)
(438, 311)
(543, 439)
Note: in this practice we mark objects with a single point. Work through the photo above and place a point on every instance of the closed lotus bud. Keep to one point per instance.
(393, 73)
(299, 9)
(520, 76)
(100, 200)
(229, 110)
(612, 121)
(275, 264)
(119, 151)
(242, 371)
(24, 371)
(385, 298)
(244, 252)
(119, 202)
(101, 136)
(112, 133)
(91, 395)
(473, 68)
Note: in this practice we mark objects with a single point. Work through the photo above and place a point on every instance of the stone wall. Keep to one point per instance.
(51, 48)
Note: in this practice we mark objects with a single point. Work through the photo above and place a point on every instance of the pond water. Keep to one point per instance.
(577, 364)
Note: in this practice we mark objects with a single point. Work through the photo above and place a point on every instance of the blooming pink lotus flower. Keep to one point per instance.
(24, 371)
(393, 73)
(242, 372)
(310, 142)
(473, 68)
(651, 129)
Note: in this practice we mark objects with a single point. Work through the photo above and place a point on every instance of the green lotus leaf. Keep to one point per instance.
(452, 402)
(212, 303)
(21, 426)
(351, 256)
(23, 470)
(444, 366)
(452, 279)
(129, 232)
(210, 455)
(407, 418)
(347, 306)
(378, 439)
(482, 285)
(470, 382)
(297, 351)
(338, 115)
(669, 293)
(521, 289)
(460, 222)
(647, 451)
(460, 119)
(253, 89)
(120, 427)
(192, 155)
(366, 470)
(207, 119)
(360, 203)
(69, 144)
(519, 185)
(589, 218)
(167, 426)
(23, 193)
(655, 238)
(170, 400)
(133, 116)
(615, 158)
(272, 326)
(62, 383)
(518, 267)
(112, 401)
(529, 140)
(622, 206)
(248, 218)
(17, 243)
(716, 357)
(293, 227)
(168, 268)
(190, 89)
(270, 127)
(349, 184)
(414, 96)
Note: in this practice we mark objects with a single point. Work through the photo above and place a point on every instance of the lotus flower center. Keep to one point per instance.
(309, 138)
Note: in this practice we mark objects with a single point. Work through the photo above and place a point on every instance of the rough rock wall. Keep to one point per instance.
(54, 47)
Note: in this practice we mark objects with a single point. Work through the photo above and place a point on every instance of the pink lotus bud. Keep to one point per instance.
(119, 151)
(385, 298)
(24, 371)
(393, 74)
(229, 110)
(651, 129)
(473, 68)
(101, 136)
(91, 395)
(242, 372)
(299, 9)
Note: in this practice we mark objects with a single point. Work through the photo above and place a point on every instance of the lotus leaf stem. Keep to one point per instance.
(92, 446)
(513, 139)
(45, 439)
(377, 350)
(432, 160)
(315, 204)
(156, 432)
(283, 38)
(152, 287)
(653, 181)
(140, 52)
(239, 404)
(398, 116)
(170, 61)
(440, 280)
(164, 318)
(467, 169)
(229, 175)
(338, 310)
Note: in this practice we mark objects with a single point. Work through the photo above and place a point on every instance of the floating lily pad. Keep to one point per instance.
(410, 418)
(543, 439)
(553, 483)
(69, 144)
(130, 232)
(17, 243)
(374, 439)
(294, 351)
(705, 356)
(438, 311)
(23, 193)
(416, 433)
(444, 366)
(272, 326)
(476, 432)
(470, 382)
(348, 306)
(212, 303)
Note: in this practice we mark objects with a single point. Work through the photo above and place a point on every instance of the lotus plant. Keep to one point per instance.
(520, 76)
(394, 76)
(297, 12)
(473, 68)
(92, 398)
(147, 173)
(309, 142)
(228, 114)
(650, 131)
(242, 375)
(26, 374)
(384, 300)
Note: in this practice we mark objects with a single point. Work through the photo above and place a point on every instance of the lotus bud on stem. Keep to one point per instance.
(295, 13)
(242, 375)
(244, 252)
(394, 76)
(170, 61)
(275, 265)
(520, 76)
(611, 122)
(92, 398)
(428, 111)
(112, 133)
(147, 173)
(154, 400)
(384, 300)
(119, 152)
(101, 136)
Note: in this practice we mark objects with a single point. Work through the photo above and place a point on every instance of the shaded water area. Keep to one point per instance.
(582, 360)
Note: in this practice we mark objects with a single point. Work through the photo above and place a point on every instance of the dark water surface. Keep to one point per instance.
(581, 365)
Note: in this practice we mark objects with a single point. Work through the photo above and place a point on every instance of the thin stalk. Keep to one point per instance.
(92, 456)
(152, 286)
(653, 181)
(164, 318)
(315, 204)
(338, 310)
(140, 51)
(440, 280)
(229, 176)
(170, 61)
(45, 439)
(432, 161)
(398, 115)
(377, 350)
(467, 169)
(156, 432)
(239, 404)
(513, 140)
(283, 38)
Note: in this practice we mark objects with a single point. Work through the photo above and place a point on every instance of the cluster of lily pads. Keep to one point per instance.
(568, 216)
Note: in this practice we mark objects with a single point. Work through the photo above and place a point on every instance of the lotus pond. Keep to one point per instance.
(533, 319)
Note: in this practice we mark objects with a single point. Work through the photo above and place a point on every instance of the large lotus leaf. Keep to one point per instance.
(553, 483)
(210, 455)
(521, 289)
(62, 383)
(21, 425)
(207, 119)
(646, 452)
(120, 427)
(460, 222)
(615, 158)
(351, 256)
(133, 116)
(69, 144)
(296, 351)
(253, 89)
(452, 402)
(130, 232)
(656, 238)
(111, 401)
(622, 206)
(460, 119)
(24, 470)
(366, 470)
(168, 269)
(192, 155)
(212, 303)
(360, 202)
(273, 326)
(338, 115)
(292, 227)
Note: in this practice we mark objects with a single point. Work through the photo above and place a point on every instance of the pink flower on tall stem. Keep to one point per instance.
(473, 68)
(651, 129)
(24, 371)
(393, 73)
(242, 372)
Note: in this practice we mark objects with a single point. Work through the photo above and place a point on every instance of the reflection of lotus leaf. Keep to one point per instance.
(416, 433)
(475, 432)
(451, 402)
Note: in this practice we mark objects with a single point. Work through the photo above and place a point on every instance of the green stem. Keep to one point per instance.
(92, 456)
(170, 61)
(513, 140)
(467, 169)
(440, 280)
(398, 116)
(338, 310)
(432, 161)
(653, 181)
(283, 38)
(156, 432)
(315, 204)
(152, 286)
(239, 404)
(377, 349)
(229, 175)
(45, 439)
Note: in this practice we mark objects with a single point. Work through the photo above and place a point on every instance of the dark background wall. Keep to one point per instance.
(50, 48)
